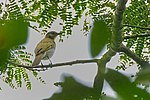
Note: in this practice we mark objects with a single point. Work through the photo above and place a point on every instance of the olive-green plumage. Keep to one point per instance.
(45, 48)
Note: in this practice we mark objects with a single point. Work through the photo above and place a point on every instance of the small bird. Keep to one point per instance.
(45, 48)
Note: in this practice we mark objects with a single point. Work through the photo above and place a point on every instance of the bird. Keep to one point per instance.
(45, 48)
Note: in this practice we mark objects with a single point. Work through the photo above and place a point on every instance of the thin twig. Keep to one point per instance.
(134, 26)
(137, 35)
(34, 28)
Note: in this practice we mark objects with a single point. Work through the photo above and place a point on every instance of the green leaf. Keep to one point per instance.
(18, 77)
(26, 78)
(109, 98)
(124, 87)
(3, 58)
(12, 33)
(99, 37)
(72, 90)
(143, 76)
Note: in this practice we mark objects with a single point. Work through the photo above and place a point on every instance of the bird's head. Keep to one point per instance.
(52, 35)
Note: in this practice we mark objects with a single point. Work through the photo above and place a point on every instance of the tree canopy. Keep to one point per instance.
(123, 28)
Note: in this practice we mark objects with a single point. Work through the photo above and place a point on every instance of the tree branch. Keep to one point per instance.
(99, 79)
(132, 55)
(134, 26)
(116, 38)
(57, 64)
(116, 41)
(136, 35)
(34, 28)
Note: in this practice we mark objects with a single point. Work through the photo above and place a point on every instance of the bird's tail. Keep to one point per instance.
(37, 60)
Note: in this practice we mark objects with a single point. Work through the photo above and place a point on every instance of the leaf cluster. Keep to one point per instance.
(136, 14)
(45, 13)
(13, 33)
(122, 85)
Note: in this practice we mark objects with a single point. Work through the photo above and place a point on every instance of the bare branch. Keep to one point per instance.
(57, 64)
(99, 79)
(137, 35)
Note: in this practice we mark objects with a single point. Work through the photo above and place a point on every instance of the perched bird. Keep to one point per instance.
(45, 48)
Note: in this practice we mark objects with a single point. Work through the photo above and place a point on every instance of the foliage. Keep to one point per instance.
(125, 89)
(73, 90)
(14, 32)
(19, 56)
(13, 75)
(44, 13)
(123, 86)
(99, 37)
(136, 14)
(8, 39)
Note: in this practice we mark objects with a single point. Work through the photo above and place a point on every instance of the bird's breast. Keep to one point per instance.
(48, 54)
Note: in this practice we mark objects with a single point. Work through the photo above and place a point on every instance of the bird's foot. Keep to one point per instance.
(50, 64)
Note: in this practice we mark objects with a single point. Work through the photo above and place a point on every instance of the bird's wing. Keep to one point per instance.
(43, 46)
(37, 60)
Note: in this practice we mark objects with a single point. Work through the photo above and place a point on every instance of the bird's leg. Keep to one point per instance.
(42, 69)
(49, 60)
(41, 63)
